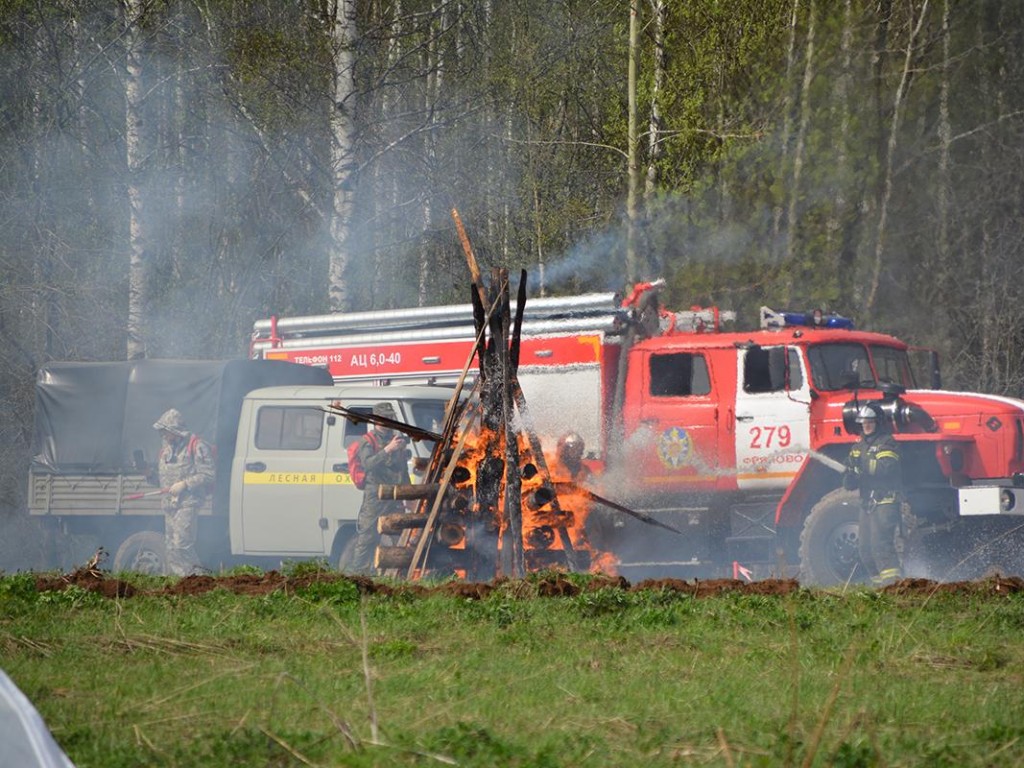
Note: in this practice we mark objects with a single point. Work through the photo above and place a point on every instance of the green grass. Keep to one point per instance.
(605, 678)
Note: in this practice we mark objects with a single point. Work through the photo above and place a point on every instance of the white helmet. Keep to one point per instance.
(866, 413)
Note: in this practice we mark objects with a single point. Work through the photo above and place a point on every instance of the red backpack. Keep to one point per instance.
(355, 468)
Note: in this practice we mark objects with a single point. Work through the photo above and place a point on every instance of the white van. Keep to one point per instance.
(291, 491)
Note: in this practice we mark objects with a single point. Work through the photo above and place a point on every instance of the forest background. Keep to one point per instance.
(172, 170)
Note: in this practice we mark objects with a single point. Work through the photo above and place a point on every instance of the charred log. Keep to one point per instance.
(393, 524)
(401, 558)
(421, 491)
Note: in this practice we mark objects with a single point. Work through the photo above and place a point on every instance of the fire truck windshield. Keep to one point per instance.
(849, 366)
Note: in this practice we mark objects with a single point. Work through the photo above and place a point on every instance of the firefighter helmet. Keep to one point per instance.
(866, 413)
(570, 448)
(172, 422)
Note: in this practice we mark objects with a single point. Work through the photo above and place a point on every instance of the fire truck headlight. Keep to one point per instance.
(1007, 500)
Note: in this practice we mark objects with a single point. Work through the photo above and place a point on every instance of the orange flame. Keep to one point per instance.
(552, 506)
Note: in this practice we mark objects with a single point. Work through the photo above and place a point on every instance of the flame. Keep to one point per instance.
(552, 505)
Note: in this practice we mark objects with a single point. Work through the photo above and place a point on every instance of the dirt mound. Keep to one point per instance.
(89, 579)
(546, 585)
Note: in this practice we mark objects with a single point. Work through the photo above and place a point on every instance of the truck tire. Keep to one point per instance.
(344, 547)
(829, 541)
(142, 552)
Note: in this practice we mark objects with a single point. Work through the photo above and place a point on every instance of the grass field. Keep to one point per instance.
(316, 669)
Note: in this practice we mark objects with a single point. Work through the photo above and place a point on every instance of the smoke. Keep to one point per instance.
(597, 262)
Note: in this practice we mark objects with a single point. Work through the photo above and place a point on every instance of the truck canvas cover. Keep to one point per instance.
(91, 418)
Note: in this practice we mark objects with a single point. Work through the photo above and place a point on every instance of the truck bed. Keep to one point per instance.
(93, 494)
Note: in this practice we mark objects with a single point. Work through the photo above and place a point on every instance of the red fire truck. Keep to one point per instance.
(734, 437)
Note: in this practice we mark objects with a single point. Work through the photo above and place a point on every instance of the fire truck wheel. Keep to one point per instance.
(828, 543)
(142, 552)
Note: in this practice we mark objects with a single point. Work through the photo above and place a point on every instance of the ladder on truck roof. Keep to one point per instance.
(587, 313)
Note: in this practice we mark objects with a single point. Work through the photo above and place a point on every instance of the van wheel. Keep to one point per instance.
(344, 547)
(142, 552)
(829, 552)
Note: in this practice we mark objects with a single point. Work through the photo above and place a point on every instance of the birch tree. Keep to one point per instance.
(890, 151)
(632, 162)
(792, 223)
(135, 159)
(342, 14)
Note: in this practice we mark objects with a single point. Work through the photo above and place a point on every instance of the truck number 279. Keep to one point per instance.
(770, 437)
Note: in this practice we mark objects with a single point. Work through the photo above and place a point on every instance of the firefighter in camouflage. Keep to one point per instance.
(385, 458)
(185, 472)
(873, 467)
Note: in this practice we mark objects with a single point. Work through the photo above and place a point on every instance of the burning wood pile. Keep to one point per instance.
(491, 503)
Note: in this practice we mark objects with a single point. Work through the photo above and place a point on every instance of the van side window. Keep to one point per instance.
(680, 374)
(764, 369)
(355, 430)
(287, 428)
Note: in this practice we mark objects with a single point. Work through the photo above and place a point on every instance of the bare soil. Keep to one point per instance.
(549, 585)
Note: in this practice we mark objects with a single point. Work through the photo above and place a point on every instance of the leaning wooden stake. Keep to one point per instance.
(421, 545)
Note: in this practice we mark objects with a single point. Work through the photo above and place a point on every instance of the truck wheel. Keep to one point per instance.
(345, 559)
(828, 544)
(344, 547)
(142, 552)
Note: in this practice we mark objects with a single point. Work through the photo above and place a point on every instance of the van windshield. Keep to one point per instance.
(428, 414)
(853, 366)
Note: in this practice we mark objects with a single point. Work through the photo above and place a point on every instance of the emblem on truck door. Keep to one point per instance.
(675, 448)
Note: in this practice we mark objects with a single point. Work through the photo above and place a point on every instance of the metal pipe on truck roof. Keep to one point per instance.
(420, 316)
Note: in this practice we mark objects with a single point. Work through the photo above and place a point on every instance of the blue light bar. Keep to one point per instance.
(813, 319)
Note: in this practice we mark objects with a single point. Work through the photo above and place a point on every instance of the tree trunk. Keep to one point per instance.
(633, 181)
(834, 241)
(787, 128)
(792, 223)
(654, 150)
(883, 209)
(136, 157)
(945, 141)
(343, 36)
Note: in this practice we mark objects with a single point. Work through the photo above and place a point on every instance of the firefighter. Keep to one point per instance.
(873, 467)
(570, 454)
(185, 472)
(385, 458)
(597, 529)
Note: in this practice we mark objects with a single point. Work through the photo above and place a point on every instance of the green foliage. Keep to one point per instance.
(316, 566)
(18, 587)
(72, 596)
(339, 591)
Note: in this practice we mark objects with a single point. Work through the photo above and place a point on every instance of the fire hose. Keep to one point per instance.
(135, 496)
(642, 516)
(828, 461)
